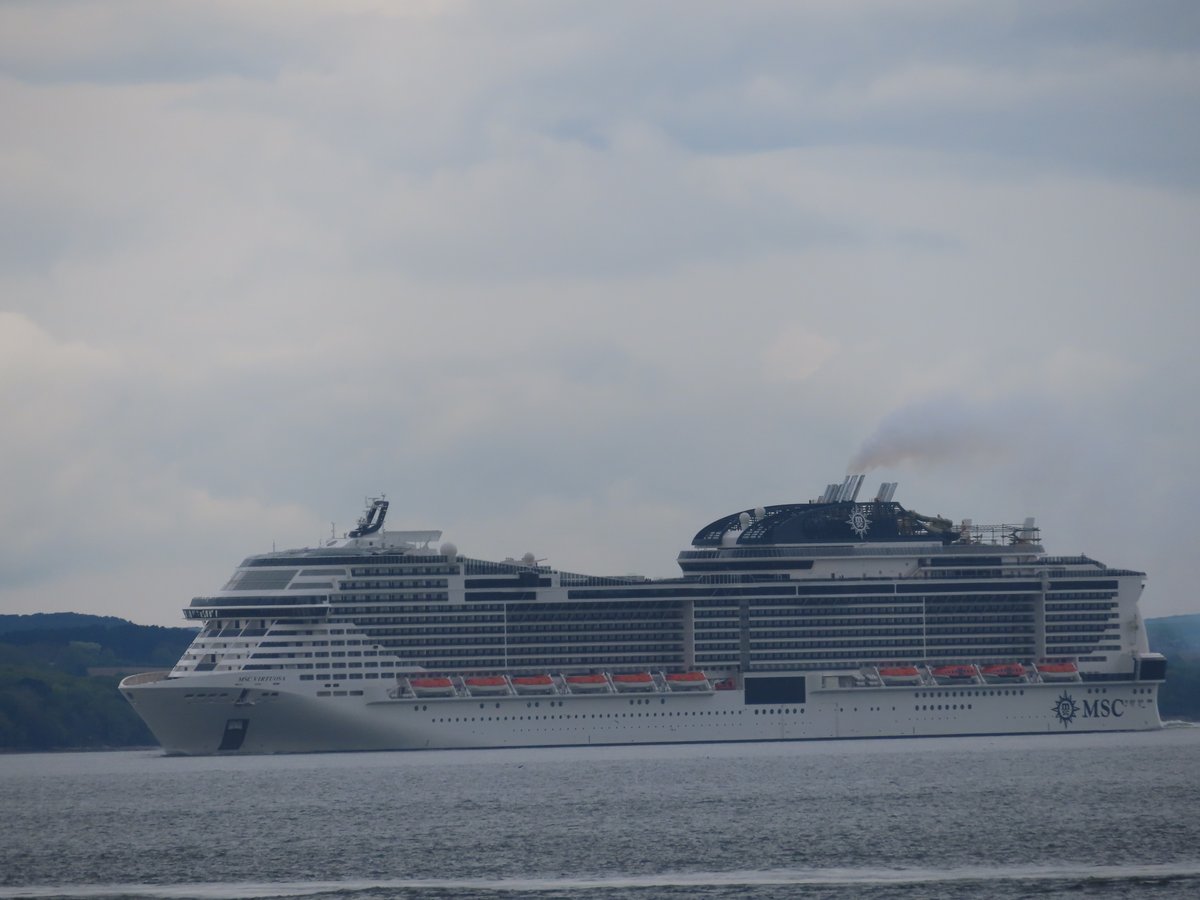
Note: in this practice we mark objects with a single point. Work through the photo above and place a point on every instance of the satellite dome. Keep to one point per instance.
(759, 512)
(529, 559)
(449, 551)
(744, 519)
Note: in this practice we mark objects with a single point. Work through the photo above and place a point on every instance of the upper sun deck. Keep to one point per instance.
(835, 524)
(837, 518)
(344, 552)
(367, 539)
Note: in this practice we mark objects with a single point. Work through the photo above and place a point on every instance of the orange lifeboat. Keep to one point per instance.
(587, 684)
(954, 673)
(487, 684)
(688, 681)
(533, 684)
(900, 674)
(634, 681)
(1062, 671)
(432, 687)
(1004, 672)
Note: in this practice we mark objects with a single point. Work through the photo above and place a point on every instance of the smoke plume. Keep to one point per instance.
(944, 429)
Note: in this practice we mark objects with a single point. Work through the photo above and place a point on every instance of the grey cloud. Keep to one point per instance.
(825, 67)
(525, 270)
(134, 42)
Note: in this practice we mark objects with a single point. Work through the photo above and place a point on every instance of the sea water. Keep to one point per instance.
(1043, 816)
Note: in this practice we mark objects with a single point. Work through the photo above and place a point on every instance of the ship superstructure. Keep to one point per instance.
(831, 618)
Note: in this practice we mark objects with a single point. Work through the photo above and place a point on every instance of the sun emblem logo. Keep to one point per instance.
(1065, 709)
(859, 521)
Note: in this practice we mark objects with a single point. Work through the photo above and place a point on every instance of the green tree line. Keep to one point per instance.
(51, 695)
(42, 709)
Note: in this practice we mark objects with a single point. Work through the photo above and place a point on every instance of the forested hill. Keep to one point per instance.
(54, 621)
(1178, 639)
(1175, 636)
(59, 674)
(75, 642)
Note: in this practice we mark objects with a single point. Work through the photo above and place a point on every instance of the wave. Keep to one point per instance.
(832, 877)
(1179, 723)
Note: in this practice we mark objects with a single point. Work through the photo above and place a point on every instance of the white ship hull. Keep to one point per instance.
(232, 713)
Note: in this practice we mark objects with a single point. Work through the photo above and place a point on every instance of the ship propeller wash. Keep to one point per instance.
(833, 618)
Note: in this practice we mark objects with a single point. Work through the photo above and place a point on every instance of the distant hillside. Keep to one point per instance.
(52, 621)
(76, 648)
(59, 674)
(1175, 636)
(1178, 639)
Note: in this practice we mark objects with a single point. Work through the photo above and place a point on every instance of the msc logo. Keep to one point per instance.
(1066, 709)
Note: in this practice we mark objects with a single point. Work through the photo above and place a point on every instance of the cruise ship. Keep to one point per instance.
(826, 619)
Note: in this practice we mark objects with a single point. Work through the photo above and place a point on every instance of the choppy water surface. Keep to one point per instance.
(1062, 815)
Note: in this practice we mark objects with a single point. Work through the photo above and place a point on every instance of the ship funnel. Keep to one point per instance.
(848, 491)
(842, 491)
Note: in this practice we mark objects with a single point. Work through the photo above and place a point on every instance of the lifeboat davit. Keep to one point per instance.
(900, 675)
(1004, 672)
(533, 684)
(487, 684)
(587, 684)
(954, 673)
(688, 681)
(432, 687)
(634, 681)
(1062, 671)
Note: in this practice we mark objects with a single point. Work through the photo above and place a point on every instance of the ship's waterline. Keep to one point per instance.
(804, 621)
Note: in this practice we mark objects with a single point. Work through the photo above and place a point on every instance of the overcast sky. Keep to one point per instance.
(578, 278)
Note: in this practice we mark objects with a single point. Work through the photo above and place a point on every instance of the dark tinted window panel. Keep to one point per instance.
(961, 561)
(747, 565)
(968, 586)
(1152, 669)
(528, 579)
(625, 593)
(775, 689)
